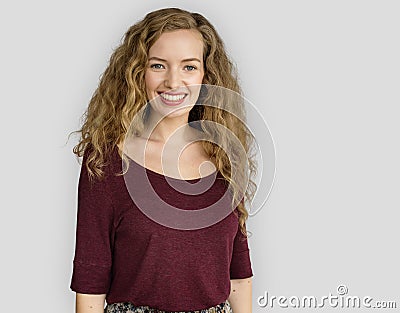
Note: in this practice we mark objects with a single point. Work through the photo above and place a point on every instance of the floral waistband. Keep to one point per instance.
(127, 307)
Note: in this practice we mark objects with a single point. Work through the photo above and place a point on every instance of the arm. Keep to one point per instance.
(91, 276)
(240, 296)
(241, 275)
(89, 303)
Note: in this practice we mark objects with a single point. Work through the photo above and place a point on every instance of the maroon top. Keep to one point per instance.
(121, 252)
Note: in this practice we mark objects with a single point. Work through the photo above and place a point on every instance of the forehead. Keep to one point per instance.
(178, 44)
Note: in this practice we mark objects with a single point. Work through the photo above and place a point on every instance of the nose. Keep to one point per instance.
(172, 79)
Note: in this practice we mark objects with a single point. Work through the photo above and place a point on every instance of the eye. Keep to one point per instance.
(190, 67)
(157, 66)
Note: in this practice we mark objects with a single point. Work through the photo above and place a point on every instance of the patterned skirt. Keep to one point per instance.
(127, 307)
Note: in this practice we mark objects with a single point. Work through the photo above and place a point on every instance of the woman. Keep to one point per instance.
(141, 113)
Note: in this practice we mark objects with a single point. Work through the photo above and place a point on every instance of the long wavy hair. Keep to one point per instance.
(121, 94)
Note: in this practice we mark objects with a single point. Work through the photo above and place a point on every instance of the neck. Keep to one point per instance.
(176, 126)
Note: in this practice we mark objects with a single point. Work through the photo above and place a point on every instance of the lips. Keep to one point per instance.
(172, 99)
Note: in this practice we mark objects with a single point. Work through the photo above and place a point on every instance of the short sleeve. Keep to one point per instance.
(94, 228)
(240, 266)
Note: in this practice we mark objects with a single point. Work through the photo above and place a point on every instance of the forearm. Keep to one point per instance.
(241, 295)
(86, 303)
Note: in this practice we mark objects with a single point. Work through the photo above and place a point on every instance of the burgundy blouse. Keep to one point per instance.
(121, 252)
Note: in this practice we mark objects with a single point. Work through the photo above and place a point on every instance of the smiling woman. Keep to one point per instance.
(138, 119)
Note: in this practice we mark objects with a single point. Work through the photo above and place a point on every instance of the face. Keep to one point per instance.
(174, 72)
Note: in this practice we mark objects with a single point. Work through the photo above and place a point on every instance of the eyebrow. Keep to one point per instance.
(185, 60)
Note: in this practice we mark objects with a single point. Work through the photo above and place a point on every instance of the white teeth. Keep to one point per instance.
(171, 97)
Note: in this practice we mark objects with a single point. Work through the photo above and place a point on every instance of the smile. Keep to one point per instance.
(173, 98)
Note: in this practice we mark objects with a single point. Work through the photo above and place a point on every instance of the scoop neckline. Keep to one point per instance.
(157, 174)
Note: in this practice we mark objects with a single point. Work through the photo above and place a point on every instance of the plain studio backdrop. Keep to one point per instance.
(323, 74)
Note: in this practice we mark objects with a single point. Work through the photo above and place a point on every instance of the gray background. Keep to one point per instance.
(325, 76)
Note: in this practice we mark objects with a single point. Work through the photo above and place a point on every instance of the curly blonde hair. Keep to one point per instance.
(121, 94)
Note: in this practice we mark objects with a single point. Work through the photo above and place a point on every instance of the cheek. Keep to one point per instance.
(152, 80)
(197, 79)
(150, 85)
(149, 81)
(201, 76)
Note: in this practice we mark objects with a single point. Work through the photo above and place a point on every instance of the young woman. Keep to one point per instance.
(140, 115)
